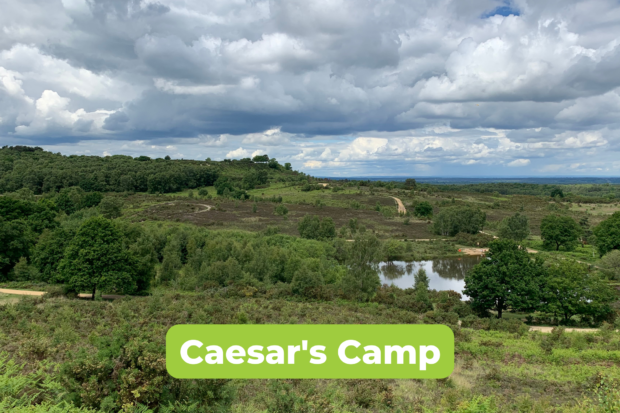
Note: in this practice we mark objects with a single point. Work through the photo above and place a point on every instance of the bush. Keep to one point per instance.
(450, 221)
(312, 227)
(111, 207)
(475, 240)
(281, 210)
(307, 283)
(423, 209)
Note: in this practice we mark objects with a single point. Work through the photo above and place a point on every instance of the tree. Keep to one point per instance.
(97, 259)
(557, 192)
(111, 207)
(287, 166)
(49, 252)
(261, 158)
(608, 234)
(393, 249)
(273, 164)
(327, 228)
(281, 210)
(309, 226)
(420, 288)
(451, 221)
(306, 282)
(16, 239)
(507, 278)
(570, 290)
(423, 209)
(410, 183)
(558, 230)
(611, 264)
(586, 231)
(516, 227)
(312, 227)
(362, 279)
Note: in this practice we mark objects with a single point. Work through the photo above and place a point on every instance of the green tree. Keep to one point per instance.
(327, 229)
(450, 221)
(287, 166)
(507, 278)
(16, 239)
(96, 259)
(410, 183)
(273, 164)
(362, 279)
(421, 287)
(111, 207)
(261, 158)
(557, 192)
(559, 230)
(516, 227)
(610, 263)
(306, 282)
(24, 271)
(309, 227)
(570, 290)
(281, 210)
(608, 234)
(393, 249)
(49, 252)
(586, 231)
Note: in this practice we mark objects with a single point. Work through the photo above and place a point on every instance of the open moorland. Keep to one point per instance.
(255, 242)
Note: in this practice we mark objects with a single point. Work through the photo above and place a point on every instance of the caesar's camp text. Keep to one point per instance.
(310, 351)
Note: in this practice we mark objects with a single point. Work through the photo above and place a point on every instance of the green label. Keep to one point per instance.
(269, 351)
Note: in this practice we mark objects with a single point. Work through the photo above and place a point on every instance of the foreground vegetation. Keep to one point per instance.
(252, 241)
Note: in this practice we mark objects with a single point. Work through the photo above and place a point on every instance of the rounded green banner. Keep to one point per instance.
(269, 351)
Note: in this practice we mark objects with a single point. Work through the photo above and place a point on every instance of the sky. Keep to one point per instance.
(466, 88)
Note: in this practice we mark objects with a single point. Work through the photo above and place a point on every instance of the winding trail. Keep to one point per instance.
(401, 206)
(21, 292)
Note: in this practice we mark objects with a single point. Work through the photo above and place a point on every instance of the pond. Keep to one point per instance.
(444, 273)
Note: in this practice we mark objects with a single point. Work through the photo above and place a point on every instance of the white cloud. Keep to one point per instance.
(51, 116)
(345, 87)
(238, 153)
(519, 162)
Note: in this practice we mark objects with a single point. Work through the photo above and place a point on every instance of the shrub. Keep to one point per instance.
(307, 283)
(450, 221)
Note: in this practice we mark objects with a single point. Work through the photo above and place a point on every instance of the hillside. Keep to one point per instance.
(42, 171)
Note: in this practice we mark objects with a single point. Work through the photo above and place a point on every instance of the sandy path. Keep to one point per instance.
(21, 292)
(401, 206)
(568, 330)
(486, 233)
(204, 210)
(482, 251)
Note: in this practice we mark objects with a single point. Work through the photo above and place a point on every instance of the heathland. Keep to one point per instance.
(124, 248)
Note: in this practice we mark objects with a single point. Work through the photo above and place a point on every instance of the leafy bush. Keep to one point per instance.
(450, 221)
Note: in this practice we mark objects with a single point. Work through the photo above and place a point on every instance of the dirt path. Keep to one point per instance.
(204, 210)
(40, 293)
(401, 206)
(21, 292)
(486, 233)
(568, 330)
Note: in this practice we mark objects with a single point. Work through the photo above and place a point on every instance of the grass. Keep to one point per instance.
(541, 371)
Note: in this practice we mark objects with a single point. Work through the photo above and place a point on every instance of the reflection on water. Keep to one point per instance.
(444, 274)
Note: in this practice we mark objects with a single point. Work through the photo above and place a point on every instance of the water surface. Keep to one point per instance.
(444, 273)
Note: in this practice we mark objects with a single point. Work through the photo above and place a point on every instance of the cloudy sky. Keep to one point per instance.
(336, 87)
